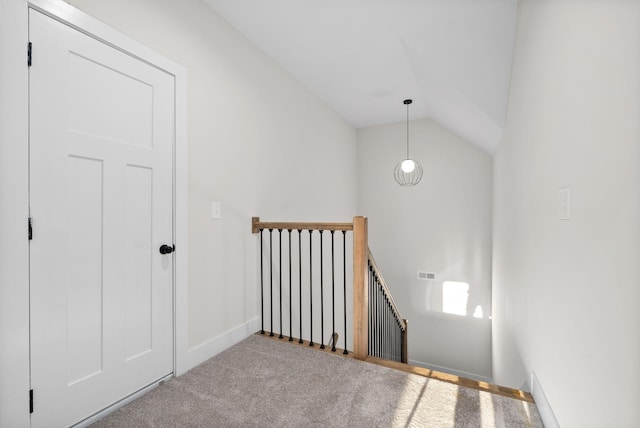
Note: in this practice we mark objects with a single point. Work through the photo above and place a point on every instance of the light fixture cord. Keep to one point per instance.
(407, 131)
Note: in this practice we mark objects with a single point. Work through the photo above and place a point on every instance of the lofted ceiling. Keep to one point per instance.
(364, 57)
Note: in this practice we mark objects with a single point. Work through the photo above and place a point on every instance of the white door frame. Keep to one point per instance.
(14, 173)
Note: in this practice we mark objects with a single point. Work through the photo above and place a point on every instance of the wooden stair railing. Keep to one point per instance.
(364, 272)
(385, 319)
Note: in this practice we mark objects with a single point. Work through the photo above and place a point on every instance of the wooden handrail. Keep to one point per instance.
(256, 225)
(386, 291)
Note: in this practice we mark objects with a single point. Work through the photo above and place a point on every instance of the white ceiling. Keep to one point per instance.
(364, 57)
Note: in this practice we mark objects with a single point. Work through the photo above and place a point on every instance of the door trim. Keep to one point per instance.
(14, 202)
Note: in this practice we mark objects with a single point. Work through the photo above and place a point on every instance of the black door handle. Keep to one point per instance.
(167, 249)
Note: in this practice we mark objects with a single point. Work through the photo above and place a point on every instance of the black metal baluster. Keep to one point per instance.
(393, 337)
(398, 340)
(372, 303)
(381, 332)
(382, 314)
(311, 288)
(390, 330)
(395, 340)
(385, 336)
(394, 327)
(388, 327)
(372, 318)
(398, 337)
(300, 279)
(321, 292)
(280, 267)
(261, 286)
(333, 297)
(379, 318)
(381, 325)
(290, 294)
(400, 347)
(344, 283)
(376, 308)
(386, 323)
(381, 321)
(271, 277)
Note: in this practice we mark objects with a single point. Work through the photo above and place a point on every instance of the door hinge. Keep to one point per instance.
(30, 229)
(29, 54)
(31, 401)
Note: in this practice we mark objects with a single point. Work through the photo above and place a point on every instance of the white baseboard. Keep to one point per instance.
(451, 371)
(544, 408)
(202, 352)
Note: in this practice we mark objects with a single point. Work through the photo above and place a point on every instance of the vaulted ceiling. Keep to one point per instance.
(364, 57)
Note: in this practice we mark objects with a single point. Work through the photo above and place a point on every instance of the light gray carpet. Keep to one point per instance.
(265, 383)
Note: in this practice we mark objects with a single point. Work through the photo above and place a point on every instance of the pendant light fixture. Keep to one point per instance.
(409, 171)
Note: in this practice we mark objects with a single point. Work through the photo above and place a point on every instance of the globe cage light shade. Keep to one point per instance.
(408, 172)
(410, 178)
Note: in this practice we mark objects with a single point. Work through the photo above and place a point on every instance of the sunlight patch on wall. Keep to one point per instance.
(478, 312)
(454, 297)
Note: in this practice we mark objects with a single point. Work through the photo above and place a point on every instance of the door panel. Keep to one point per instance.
(138, 247)
(101, 180)
(108, 114)
(84, 209)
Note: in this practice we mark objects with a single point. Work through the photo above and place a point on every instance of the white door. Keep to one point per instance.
(101, 180)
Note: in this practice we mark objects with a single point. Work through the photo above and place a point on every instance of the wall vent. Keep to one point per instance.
(426, 275)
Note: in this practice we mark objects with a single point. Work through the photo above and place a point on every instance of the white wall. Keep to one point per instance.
(566, 292)
(14, 211)
(442, 225)
(259, 143)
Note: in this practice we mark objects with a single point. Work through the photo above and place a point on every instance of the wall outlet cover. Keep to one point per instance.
(564, 203)
(216, 210)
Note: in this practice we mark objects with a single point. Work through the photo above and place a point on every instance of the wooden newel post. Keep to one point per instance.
(405, 342)
(360, 289)
(254, 224)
